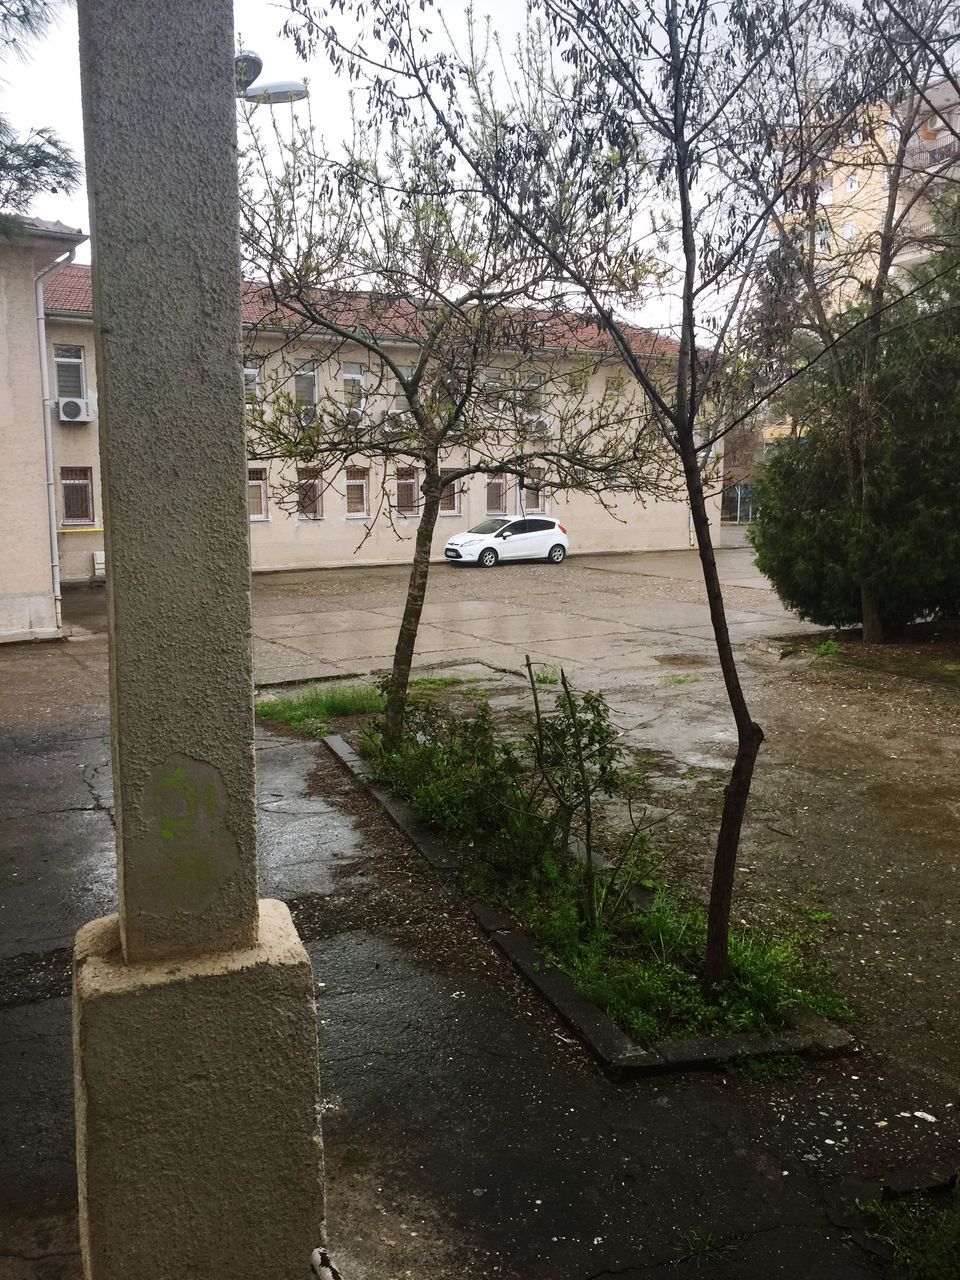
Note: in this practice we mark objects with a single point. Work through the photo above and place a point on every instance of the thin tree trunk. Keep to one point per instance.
(410, 624)
(749, 739)
(870, 613)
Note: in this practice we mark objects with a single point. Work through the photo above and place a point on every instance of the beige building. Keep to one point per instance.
(299, 519)
(855, 187)
(30, 502)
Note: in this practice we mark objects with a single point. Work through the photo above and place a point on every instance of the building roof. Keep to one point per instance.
(41, 228)
(69, 293)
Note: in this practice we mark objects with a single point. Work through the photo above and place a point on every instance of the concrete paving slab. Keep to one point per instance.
(315, 623)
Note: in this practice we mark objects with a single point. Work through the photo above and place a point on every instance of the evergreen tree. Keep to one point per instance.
(810, 533)
(38, 161)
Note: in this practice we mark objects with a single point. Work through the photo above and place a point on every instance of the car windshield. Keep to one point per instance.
(488, 526)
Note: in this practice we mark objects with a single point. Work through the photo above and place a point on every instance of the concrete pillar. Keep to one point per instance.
(195, 1038)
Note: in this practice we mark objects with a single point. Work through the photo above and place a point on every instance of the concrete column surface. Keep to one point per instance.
(161, 157)
(196, 1104)
(195, 1054)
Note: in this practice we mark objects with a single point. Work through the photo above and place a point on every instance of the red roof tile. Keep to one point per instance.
(69, 293)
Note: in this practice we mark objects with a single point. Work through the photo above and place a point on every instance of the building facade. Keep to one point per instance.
(300, 518)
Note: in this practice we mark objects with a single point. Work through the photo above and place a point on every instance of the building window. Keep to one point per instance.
(305, 390)
(76, 488)
(823, 239)
(849, 231)
(856, 137)
(613, 387)
(309, 494)
(358, 491)
(400, 403)
(532, 496)
(257, 493)
(450, 494)
(529, 392)
(71, 383)
(497, 496)
(825, 191)
(252, 369)
(407, 492)
(853, 182)
(353, 386)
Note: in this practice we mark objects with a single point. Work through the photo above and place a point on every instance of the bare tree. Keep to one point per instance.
(674, 116)
(447, 345)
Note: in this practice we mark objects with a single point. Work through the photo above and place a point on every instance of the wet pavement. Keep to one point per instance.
(466, 1135)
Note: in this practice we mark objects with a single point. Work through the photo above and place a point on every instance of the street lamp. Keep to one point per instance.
(247, 66)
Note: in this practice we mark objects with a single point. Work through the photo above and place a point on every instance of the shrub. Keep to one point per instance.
(641, 966)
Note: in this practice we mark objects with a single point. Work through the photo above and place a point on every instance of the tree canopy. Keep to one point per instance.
(38, 161)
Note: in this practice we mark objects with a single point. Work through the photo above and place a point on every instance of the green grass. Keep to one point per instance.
(546, 675)
(645, 971)
(681, 680)
(774, 1069)
(924, 1236)
(435, 682)
(310, 713)
(827, 649)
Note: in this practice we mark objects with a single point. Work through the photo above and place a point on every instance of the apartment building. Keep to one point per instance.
(300, 518)
(854, 190)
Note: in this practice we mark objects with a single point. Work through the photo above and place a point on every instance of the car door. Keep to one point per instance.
(541, 537)
(511, 540)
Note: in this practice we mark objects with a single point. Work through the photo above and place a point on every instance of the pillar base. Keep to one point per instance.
(198, 1140)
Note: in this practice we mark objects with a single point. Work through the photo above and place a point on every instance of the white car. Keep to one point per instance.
(527, 538)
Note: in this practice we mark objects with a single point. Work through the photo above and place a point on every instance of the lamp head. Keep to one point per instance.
(247, 65)
(276, 91)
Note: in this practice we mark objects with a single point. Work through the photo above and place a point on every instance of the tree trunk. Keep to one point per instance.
(410, 624)
(749, 739)
(870, 613)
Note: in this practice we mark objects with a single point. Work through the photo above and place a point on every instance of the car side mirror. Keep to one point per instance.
(504, 535)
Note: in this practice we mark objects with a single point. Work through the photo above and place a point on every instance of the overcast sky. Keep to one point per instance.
(45, 88)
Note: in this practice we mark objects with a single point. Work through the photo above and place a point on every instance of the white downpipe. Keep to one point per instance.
(45, 274)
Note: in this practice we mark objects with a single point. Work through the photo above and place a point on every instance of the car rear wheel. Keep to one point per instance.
(487, 558)
(557, 553)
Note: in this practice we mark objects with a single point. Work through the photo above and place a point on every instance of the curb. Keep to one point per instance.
(807, 1035)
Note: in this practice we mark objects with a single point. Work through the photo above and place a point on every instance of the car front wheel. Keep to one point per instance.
(557, 554)
(487, 558)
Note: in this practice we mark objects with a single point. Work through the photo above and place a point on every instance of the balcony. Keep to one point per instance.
(919, 159)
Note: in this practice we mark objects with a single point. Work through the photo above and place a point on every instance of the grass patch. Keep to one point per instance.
(546, 675)
(770, 1070)
(923, 1234)
(642, 967)
(827, 649)
(310, 712)
(681, 680)
(435, 682)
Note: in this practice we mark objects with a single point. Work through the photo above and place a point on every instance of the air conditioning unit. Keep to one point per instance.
(399, 422)
(73, 410)
(353, 416)
(540, 428)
